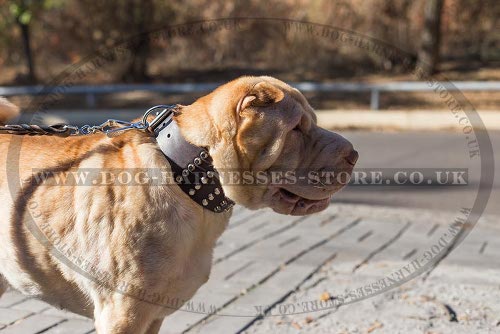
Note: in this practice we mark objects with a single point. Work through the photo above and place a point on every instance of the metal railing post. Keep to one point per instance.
(374, 99)
(90, 100)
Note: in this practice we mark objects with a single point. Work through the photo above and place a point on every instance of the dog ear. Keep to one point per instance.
(261, 95)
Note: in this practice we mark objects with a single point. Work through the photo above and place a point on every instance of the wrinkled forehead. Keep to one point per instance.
(306, 107)
(294, 96)
(230, 95)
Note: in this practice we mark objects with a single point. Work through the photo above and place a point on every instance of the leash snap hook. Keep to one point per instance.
(112, 127)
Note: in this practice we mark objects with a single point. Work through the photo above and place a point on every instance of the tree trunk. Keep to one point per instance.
(428, 54)
(25, 32)
(141, 16)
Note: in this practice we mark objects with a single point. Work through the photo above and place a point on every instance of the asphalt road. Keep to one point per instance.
(416, 150)
(379, 150)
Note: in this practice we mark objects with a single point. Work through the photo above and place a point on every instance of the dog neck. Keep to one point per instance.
(192, 166)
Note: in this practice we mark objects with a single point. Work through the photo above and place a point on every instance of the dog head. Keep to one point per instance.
(267, 146)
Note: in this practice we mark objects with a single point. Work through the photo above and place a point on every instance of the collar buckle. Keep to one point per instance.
(161, 119)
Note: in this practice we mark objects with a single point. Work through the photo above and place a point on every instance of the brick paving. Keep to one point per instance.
(265, 261)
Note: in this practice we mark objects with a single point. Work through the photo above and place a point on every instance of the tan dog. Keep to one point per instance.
(113, 252)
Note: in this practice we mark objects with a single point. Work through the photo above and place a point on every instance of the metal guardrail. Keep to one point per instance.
(375, 89)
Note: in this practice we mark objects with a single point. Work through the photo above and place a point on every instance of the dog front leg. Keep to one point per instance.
(155, 327)
(3, 285)
(126, 317)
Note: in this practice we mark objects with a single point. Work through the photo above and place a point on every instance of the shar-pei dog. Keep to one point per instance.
(91, 249)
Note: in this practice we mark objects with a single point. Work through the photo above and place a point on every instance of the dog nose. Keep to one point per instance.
(352, 157)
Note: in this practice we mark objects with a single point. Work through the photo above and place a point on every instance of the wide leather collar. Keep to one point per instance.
(191, 165)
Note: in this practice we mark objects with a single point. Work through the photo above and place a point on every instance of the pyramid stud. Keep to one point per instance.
(204, 202)
(204, 180)
(217, 191)
(197, 187)
(178, 179)
(211, 197)
(192, 192)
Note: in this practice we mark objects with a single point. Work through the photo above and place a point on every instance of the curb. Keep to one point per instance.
(401, 120)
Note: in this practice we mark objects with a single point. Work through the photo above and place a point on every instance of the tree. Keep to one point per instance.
(140, 19)
(22, 15)
(428, 54)
(24, 11)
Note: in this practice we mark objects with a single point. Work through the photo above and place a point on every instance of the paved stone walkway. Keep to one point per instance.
(276, 265)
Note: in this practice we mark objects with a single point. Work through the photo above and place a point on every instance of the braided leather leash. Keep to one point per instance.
(37, 130)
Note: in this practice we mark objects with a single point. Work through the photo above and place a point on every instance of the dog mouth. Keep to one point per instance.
(293, 204)
(290, 197)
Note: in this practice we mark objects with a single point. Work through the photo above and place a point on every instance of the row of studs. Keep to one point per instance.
(190, 168)
(224, 205)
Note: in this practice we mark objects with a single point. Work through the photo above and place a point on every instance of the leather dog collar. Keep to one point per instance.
(191, 165)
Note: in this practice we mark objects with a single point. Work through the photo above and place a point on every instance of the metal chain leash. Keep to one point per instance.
(111, 127)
